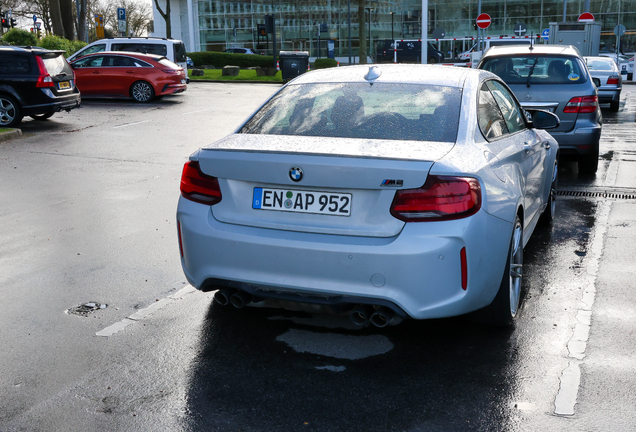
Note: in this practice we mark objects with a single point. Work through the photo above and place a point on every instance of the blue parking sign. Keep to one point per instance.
(121, 14)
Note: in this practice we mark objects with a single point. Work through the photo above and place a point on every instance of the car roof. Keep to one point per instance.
(35, 50)
(516, 49)
(449, 76)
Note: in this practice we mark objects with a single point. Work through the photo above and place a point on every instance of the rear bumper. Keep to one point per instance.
(580, 141)
(419, 270)
(47, 102)
(173, 89)
(609, 95)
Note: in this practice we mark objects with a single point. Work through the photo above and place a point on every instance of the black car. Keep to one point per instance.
(407, 52)
(34, 82)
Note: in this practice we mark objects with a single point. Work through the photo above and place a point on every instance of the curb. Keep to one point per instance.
(8, 135)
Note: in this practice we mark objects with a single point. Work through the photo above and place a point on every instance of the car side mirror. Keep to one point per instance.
(544, 119)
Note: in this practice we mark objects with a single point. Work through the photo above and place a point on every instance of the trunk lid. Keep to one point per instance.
(366, 172)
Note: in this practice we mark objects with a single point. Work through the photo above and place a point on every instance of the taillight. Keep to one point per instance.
(44, 80)
(581, 104)
(199, 187)
(612, 80)
(170, 71)
(441, 198)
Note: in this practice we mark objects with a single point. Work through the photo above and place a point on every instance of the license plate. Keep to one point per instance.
(287, 200)
(64, 85)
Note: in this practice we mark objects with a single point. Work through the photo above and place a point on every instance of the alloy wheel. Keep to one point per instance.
(516, 268)
(7, 112)
(142, 92)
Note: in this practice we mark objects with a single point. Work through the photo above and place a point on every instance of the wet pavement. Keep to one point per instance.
(89, 220)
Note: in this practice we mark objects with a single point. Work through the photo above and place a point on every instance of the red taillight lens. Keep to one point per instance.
(464, 265)
(199, 187)
(581, 104)
(612, 80)
(170, 71)
(441, 198)
(44, 80)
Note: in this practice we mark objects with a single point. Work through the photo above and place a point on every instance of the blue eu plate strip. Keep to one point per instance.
(258, 198)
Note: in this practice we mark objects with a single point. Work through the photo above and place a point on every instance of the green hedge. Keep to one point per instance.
(324, 63)
(58, 43)
(219, 59)
(20, 37)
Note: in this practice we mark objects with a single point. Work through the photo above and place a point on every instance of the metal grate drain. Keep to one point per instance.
(598, 194)
(86, 308)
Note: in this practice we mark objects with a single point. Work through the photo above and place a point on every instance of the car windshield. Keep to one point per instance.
(377, 111)
(537, 69)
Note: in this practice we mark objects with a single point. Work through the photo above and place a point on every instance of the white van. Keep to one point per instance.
(174, 50)
(466, 55)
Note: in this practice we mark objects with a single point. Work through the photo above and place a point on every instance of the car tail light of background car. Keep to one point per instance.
(613, 80)
(581, 104)
(199, 187)
(44, 80)
(441, 198)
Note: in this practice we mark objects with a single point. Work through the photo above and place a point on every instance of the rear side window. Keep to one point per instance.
(382, 111)
(537, 69)
(491, 121)
(57, 65)
(164, 61)
(179, 52)
(14, 64)
(146, 48)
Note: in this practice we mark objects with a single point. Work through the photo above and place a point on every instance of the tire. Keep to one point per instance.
(10, 112)
(142, 91)
(550, 211)
(433, 60)
(41, 117)
(589, 164)
(615, 105)
(505, 307)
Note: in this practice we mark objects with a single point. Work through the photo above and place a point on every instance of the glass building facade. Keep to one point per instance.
(221, 24)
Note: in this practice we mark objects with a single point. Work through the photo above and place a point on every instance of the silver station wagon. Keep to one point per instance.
(384, 192)
(554, 78)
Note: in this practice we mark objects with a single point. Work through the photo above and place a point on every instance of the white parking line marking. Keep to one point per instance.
(143, 313)
(130, 124)
(198, 111)
(571, 375)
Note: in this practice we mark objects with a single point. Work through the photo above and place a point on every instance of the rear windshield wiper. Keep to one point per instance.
(531, 71)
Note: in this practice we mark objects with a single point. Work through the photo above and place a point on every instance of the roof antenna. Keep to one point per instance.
(374, 73)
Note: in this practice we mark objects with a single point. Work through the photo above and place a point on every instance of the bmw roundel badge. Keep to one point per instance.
(296, 174)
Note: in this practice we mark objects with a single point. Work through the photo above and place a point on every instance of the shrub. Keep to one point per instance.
(53, 42)
(20, 37)
(219, 59)
(324, 63)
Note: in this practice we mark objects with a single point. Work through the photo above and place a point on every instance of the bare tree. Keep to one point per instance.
(166, 16)
(56, 17)
(68, 22)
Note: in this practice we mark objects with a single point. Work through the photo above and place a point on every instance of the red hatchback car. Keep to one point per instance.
(127, 74)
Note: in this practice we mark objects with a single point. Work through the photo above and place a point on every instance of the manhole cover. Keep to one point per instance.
(85, 308)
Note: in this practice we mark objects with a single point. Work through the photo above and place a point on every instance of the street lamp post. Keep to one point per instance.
(369, 46)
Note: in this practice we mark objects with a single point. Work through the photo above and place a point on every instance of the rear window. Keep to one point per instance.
(380, 111)
(179, 52)
(14, 64)
(57, 65)
(599, 64)
(164, 61)
(146, 48)
(537, 69)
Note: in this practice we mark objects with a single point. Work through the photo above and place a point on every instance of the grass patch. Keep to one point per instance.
(244, 75)
(5, 130)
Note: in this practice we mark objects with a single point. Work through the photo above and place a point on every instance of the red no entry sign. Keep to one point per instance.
(483, 21)
(586, 17)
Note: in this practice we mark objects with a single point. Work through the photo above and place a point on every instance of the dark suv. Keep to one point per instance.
(407, 52)
(34, 82)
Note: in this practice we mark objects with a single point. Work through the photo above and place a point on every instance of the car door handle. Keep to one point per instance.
(95, 72)
(527, 146)
(130, 71)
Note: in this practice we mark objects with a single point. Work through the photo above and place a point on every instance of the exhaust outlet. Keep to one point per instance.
(382, 317)
(240, 299)
(360, 315)
(222, 296)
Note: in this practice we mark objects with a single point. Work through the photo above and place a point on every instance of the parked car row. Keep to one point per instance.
(37, 82)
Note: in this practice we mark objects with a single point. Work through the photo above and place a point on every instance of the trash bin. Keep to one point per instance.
(293, 63)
